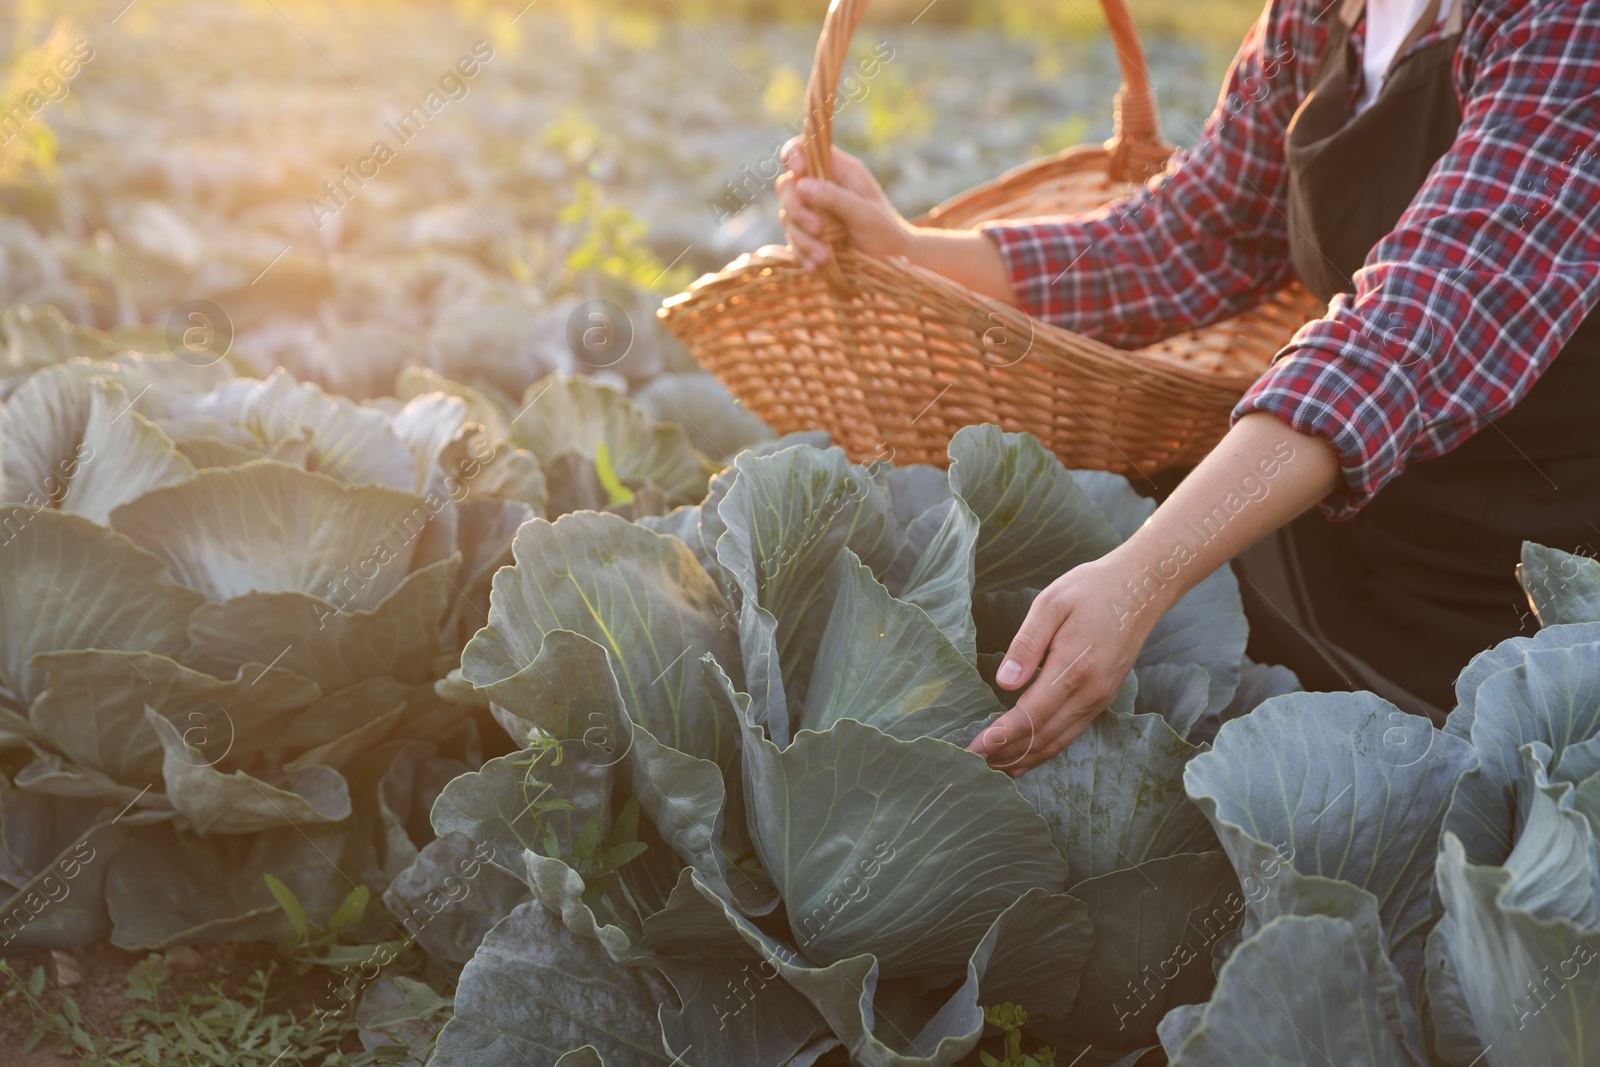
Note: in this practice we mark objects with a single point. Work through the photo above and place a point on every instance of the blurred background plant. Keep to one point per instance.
(40, 47)
(603, 150)
(1219, 21)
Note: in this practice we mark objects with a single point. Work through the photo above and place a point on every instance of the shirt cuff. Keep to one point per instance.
(1362, 406)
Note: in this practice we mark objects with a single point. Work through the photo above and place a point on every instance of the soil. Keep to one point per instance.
(96, 978)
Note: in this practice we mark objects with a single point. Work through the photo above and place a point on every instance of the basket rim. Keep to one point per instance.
(1088, 350)
(1073, 158)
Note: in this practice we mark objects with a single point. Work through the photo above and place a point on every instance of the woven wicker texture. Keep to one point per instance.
(892, 359)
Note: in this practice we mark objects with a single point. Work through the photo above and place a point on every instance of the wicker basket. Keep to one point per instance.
(892, 359)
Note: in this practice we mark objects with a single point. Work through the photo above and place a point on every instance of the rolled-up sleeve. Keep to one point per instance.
(1197, 244)
(1461, 307)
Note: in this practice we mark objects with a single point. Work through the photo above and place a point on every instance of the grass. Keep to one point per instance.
(217, 1016)
(165, 1026)
(235, 1021)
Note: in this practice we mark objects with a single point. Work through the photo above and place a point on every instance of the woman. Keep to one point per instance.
(1430, 169)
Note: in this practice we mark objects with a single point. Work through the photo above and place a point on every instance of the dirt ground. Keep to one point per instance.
(97, 977)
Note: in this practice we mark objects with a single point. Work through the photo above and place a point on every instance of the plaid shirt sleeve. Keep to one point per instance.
(1456, 312)
(1487, 274)
(1199, 243)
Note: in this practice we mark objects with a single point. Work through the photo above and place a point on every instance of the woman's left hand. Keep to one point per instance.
(1085, 630)
(1081, 642)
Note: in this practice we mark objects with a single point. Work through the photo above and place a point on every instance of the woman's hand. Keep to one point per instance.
(876, 228)
(1084, 631)
(1076, 645)
(854, 197)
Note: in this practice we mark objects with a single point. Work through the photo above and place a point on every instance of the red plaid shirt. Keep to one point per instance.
(1456, 312)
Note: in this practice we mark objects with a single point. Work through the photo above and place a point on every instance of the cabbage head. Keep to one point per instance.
(742, 806)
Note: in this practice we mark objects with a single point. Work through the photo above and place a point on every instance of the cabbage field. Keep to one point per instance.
(408, 656)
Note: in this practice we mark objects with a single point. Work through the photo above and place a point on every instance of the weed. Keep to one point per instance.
(169, 1027)
(1008, 1019)
(611, 243)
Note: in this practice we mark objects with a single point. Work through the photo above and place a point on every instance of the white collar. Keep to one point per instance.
(1388, 22)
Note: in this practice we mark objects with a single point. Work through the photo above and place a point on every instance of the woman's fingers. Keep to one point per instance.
(793, 157)
(1032, 720)
(853, 197)
(1055, 701)
(793, 211)
(1073, 684)
(847, 169)
(1075, 664)
(812, 253)
(1027, 736)
(849, 205)
(813, 247)
(801, 224)
(1030, 725)
(1033, 640)
(814, 196)
(1020, 744)
(1007, 740)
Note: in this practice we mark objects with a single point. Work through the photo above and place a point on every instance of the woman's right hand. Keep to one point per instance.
(854, 197)
(876, 228)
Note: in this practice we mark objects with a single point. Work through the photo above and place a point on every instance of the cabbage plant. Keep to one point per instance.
(224, 603)
(742, 806)
(1440, 902)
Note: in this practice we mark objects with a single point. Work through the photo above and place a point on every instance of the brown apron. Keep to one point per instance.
(1399, 598)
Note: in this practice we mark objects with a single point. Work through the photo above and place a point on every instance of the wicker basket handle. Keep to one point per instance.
(1136, 148)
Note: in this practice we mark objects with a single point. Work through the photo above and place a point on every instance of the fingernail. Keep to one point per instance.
(1010, 673)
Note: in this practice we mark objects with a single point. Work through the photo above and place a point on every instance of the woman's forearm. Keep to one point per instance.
(1262, 475)
(966, 257)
